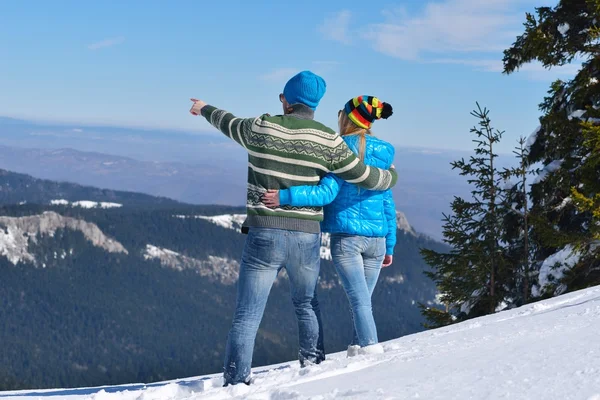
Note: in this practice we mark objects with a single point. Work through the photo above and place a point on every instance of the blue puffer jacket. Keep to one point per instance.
(349, 209)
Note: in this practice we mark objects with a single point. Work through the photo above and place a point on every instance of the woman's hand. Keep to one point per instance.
(387, 261)
(197, 106)
(271, 198)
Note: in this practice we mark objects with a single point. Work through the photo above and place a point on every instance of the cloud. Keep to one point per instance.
(106, 43)
(336, 27)
(451, 26)
(473, 33)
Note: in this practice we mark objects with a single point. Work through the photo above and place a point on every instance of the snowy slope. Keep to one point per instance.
(85, 204)
(547, 350)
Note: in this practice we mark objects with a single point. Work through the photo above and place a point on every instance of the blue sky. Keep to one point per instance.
(137, 63)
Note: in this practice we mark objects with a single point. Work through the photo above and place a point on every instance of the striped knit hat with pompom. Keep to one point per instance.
(363, 110)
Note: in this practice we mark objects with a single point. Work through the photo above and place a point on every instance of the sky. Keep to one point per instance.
(138, 63)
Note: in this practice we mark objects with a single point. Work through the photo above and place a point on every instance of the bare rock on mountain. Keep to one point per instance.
(220, 269)
(403, 223)
(16, 233)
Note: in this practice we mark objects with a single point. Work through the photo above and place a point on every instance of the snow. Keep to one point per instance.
(501, 306)
(564, 28)
(85, 204)
(227, 221)
(554, 267)
(11, 245)
(545, 350)
(17, 233)
(533, 137)
(221, 269)
(94, 204)
(508, 184)
(576, 114)
(438, 298)
(398, 278)
(157, 252)
(548, 169)
(466, 306)
(325, 250)
(60, 202)
(566, 201)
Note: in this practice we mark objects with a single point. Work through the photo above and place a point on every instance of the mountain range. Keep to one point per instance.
(107, 287)
(201, 167)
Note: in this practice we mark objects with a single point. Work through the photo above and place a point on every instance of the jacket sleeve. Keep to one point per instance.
(346, 165)
(390, 216)
(312, 195)
(231, 126)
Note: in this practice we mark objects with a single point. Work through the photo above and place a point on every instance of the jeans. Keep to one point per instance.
(266, 252)
(358, 261)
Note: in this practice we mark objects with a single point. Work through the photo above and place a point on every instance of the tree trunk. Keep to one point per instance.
(525, 227)
(494, 240)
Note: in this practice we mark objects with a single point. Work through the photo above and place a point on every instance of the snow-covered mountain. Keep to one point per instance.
(18, 233)
(142, 288)
(169, 167)
(144, 291)
(222, 269)
(546, 350)
(23, 189)
(85, 204)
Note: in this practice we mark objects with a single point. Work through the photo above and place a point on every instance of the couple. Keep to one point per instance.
(296, 166)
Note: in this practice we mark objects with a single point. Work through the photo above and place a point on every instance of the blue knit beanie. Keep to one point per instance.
(306, 88)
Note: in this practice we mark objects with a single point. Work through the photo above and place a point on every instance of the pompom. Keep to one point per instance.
(387, 111)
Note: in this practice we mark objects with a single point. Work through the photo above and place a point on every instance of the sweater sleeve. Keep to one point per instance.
(347, 166)
(312, 195)
(231, 126)
(390, 216)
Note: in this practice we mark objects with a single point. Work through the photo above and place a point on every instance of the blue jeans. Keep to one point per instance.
(266, 252)
(358, 261)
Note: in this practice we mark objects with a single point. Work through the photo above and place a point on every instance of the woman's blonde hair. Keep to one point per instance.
(347, 127)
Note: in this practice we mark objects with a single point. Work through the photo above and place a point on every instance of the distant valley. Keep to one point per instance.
(201, 168)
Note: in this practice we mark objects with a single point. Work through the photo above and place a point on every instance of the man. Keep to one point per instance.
(283, 151)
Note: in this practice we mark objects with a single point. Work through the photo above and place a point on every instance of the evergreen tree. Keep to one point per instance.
(472, 276)
(564, 196)
(517, 228)
(587, 200)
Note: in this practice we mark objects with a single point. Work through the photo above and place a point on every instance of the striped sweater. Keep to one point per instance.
(291, 150)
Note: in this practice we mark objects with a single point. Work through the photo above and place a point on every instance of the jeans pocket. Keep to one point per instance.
(260, 245)
(262, 240)
(381, 249)
(336, 244)
(309, 248)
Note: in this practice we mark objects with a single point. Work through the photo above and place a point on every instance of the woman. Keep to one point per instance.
(362, 222)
